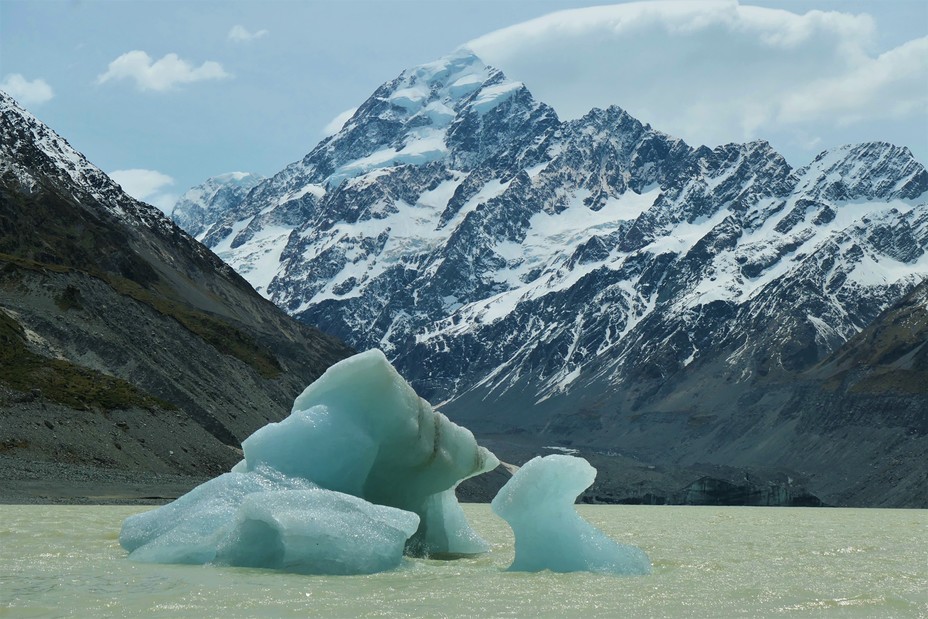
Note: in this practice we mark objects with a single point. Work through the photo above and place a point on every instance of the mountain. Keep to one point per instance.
(207, 202)
(126, 344)
(870, 395)
(593, 283)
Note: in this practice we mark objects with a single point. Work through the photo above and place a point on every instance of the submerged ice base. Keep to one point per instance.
(361, 470)
(538, 503)
(264, 519)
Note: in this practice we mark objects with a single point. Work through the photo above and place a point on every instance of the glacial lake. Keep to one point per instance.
(65, 561)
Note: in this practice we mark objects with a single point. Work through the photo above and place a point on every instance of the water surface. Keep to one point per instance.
(58, 561)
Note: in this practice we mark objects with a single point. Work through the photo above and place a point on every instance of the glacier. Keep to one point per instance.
(361, 472)
(537, 502)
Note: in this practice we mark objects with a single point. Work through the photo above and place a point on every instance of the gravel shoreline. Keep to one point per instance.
(31, 482)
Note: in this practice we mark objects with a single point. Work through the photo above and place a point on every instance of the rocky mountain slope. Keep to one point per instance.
(125, 343)
(593, 281)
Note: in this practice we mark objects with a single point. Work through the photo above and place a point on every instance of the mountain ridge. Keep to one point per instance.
(127, 345)
(508, 261)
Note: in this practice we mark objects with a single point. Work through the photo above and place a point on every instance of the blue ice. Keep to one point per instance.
(264, 519)
(362, 470)
(362, 429)
(538, 503)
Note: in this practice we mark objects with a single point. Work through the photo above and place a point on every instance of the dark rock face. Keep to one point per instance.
(125, 343)
(582, 279)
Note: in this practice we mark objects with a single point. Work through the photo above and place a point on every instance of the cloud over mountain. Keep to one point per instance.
(715, 71)
(147, 186)
(27, 92)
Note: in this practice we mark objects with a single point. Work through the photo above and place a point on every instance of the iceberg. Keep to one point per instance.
(537, 502)
(361, 429)
(264, 519)
(361, 471)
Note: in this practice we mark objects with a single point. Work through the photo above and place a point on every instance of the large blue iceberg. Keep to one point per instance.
(264, 519)
(538, 503)
(362, 470)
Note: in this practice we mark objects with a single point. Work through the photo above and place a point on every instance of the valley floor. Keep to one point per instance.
(35, 482)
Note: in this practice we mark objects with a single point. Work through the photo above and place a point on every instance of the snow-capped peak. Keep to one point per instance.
(22, 132)
(448, 81)
(236, 177)
(412, 117)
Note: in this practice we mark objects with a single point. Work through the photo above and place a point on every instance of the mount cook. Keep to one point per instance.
(597, 284)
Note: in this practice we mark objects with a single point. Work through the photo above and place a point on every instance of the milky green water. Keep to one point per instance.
(708, 562)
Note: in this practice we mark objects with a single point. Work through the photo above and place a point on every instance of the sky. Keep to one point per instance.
(164, 94)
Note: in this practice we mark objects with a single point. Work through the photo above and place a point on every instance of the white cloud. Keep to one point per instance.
(893, 85)
(162, 74)
(147, 186)
(240, 34)
(717, 71)
(164, 202)
(27, 92)
(335, 125)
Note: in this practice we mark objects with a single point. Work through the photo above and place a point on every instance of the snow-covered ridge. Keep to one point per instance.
(456, 223)
(871, 170)
(28, 147)
(61, 154)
